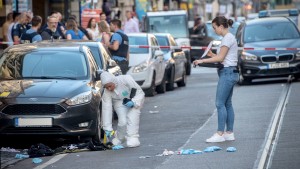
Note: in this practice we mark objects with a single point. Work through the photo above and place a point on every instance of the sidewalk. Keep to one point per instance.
(253, 114)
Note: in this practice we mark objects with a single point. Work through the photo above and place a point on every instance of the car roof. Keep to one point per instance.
(270, 20)
(162, 34)
(46, 46)
(140, 34)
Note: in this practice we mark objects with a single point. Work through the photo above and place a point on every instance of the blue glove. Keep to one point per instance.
(108, 133)
(117, 147)
(129, 104)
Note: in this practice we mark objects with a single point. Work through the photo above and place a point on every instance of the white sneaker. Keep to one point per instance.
(229, 137)
(216, 138)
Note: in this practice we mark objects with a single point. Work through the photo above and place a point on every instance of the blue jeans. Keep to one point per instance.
(228, 77)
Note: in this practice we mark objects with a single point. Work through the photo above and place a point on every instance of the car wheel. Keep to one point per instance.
(162, 87)
(98, 134)
(170, 85)
(151, 90)
(182, 82)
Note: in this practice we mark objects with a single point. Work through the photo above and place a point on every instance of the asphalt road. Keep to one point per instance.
(184, 118)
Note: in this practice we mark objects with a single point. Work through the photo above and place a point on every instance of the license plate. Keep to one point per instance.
(278, 65)
(33, 122)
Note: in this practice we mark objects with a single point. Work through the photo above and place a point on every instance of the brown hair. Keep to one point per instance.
(36, 20)
(71, 24)
(116, 22)
(222, 20)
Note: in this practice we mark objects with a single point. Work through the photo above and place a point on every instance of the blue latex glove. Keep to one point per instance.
(108, 133)
(129, 104)
(117, 147)
(231, 149)
(37, 160)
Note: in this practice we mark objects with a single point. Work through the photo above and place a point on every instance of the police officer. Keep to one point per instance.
(31, 35)
(119, 45)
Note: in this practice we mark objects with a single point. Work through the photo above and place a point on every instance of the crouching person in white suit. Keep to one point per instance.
(117, 93)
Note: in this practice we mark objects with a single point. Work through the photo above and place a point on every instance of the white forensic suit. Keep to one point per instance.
(128, 118)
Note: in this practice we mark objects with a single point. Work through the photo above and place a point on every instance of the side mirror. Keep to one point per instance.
(112, 63)
(158, 53)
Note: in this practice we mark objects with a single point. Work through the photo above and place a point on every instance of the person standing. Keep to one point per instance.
(228, 77)
(32, 35)
(92, 28)
(126, 97)
(73, 32)
(104, 32)
(5, 27)
(198, 28)
(130, 25)
(52, 30)
(20, 28)
(119, 45)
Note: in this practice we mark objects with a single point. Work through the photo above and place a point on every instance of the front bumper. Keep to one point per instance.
(144, 78)
(63, 124)
(262, 70)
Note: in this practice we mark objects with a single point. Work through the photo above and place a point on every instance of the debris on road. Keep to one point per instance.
(212, 149)
(189, 151)
(231, 149)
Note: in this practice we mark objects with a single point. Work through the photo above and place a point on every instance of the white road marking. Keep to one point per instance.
(51, 161)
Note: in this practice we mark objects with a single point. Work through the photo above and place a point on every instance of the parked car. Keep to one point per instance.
(176, 62)
(269, 32)
(50, 89)
(146, 65)
(101, 55)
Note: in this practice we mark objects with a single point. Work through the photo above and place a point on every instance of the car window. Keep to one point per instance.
(94, 64)
(163, 41)
(97, 55)
(45, 64)
(138, 41)
(270, 31)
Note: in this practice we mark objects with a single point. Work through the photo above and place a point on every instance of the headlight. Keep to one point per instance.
(141, 67)
(298, 55)
(216, 43)
(248, 56)
(80, 99)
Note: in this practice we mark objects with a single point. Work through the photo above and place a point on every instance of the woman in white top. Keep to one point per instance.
(92, 29)
(228, 77)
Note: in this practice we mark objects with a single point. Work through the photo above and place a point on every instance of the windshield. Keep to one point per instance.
(97, 55)
(163, 41)
(270, 31)
(137, 40)
(175, 25)
(43, 65)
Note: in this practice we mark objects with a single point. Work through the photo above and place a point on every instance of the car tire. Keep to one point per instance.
(99, 133)
(182, 82)
(162, 87)
(170, 84)
(151, 91)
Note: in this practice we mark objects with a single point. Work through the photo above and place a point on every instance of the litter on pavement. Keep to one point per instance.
(166, 153)
(21, 156)
(36, 160)
(189, 151)
(212, 149)
(117, 147)
(231, 149)
(8, 149)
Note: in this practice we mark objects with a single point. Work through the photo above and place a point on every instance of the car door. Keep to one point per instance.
(179, 58)
(158, 61)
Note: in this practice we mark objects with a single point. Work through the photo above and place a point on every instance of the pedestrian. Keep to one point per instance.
(126, 97)
(5, 27)
(104, 32)
(73, 32)
(228, 77)
(20, 27)
(52, 29)
(82, 29)
(198, 28)
(32, 35)
(119, 45)
(92, 29)
(130, 25)
(59, 26)
(16, 16)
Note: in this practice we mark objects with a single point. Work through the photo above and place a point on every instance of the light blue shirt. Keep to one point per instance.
(36, 38)
(117, 37)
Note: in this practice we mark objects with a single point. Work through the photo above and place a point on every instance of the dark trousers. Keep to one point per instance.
(123, 65)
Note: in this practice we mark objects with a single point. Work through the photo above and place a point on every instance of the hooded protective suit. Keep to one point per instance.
(128, 118)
